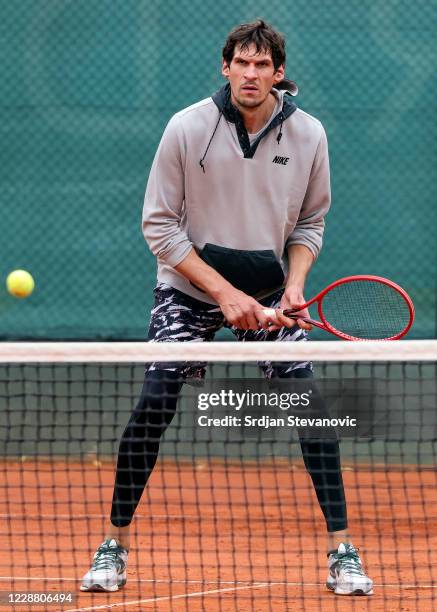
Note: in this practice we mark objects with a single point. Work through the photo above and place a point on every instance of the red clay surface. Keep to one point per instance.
(219, 537)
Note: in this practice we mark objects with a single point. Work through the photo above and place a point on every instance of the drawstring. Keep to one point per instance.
(280, 128)
(210, 140)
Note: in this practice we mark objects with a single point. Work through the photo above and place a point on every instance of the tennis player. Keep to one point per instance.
(234, 212)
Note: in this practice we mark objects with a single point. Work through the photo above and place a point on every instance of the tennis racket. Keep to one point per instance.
(360, 308)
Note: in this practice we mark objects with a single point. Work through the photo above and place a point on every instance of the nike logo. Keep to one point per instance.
(280, 160)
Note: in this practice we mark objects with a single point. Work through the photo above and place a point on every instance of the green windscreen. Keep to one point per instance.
(87, 88)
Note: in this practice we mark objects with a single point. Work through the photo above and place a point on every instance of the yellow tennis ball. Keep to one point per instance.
(20, 283)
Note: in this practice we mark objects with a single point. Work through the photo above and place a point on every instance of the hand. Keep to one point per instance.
(292, 298)
(244, 312)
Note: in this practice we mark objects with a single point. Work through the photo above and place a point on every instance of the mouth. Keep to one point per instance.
(250, 89)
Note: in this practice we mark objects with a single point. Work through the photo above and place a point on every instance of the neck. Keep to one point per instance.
(256, 117)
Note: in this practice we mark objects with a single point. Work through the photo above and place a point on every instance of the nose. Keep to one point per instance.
(250, 73)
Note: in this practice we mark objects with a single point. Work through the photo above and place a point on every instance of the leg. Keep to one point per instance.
(139, 447)
(137, 456)
(175, 318)
(321, 454)
(322, 461)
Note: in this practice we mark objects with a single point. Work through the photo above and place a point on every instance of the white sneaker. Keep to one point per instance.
(108, 571)
(346, 574)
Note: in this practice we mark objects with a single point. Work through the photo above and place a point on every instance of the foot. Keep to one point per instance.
(108, 571)
(346, 574)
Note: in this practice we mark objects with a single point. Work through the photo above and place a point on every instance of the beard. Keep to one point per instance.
(248, 103)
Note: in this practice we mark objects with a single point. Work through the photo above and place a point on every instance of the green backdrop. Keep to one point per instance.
(87, 87)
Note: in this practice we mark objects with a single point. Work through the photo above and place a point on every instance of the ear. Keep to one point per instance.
(279, 74)
(225, 69)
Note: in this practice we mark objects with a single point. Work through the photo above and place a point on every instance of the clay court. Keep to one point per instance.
(219, 536)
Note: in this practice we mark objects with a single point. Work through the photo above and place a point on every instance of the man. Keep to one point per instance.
(234, 211)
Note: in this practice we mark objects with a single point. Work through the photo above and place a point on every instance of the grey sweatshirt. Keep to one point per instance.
(239, 205)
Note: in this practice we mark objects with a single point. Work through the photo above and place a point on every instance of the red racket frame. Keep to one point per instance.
(324, 324)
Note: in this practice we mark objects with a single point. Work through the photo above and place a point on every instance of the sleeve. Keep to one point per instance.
(311, 222)
(164, 199)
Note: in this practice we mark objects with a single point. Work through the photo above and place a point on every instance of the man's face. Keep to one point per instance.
(251, 76)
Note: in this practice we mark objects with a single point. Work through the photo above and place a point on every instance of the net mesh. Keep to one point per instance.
(229, 519)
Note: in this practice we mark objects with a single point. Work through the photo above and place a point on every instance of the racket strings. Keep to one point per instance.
(366, 309)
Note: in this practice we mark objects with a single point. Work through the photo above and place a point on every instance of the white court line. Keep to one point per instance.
(168, 598)
(172, 581)
(235, 582)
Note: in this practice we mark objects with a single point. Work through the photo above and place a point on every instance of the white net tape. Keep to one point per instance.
(138, 352)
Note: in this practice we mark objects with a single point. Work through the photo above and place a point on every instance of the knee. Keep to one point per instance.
(156, 406)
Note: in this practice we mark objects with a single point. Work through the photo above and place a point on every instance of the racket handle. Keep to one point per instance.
(288, 312)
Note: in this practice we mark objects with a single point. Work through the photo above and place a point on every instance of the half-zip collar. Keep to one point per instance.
(222, 99)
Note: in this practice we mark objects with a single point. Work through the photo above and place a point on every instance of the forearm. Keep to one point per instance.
(203, 276)
(300, 260)
(240, 310)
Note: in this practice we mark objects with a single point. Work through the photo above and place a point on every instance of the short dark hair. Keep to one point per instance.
(259, 33)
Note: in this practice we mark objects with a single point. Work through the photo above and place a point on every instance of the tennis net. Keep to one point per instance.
(229, 519)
